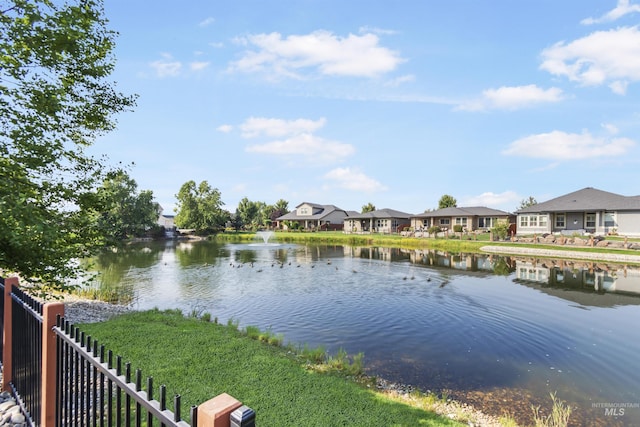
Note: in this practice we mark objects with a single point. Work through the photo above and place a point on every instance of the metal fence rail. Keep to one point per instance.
(92, 392)
(27, 353)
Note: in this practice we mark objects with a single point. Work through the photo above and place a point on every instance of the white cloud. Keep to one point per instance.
(206, 22)
(558, 145)
(619, 87)
(512, 98)
(224, 128)
(198, 65)
(623, 8)
(354, 179)
(599, 58)
(310, 148)
(322, 51)
(612, 129)
(256, 126)
(401, 80)
(365, 29)
(493, 200)
(166, 67)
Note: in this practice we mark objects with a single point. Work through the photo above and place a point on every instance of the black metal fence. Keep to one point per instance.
(26, 354)
(93, 390)
(89, 388)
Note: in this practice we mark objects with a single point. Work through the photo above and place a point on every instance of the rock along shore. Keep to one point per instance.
(566, 254)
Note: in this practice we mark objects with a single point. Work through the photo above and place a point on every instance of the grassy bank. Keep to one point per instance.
(200, 360)
(386, 240)
(468, 243)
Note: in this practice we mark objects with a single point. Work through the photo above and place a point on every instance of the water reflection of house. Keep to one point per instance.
(462, 261)
(594, 284)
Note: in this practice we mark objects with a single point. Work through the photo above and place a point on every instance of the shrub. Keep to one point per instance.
(457, 228)
(434, 230)
(501, 230)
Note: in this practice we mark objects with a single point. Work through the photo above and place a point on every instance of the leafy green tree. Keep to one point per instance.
(369, 207)
(447, 201)
(125, 211)
(266, 211)
(55, 99)
(249, 212)
(280, 208)
(236, 221)
(200, 208)
(525, 203)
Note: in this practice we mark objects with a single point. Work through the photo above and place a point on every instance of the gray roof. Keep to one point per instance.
(326, 210)
(380, 213)
(464, 211)
(587, 199)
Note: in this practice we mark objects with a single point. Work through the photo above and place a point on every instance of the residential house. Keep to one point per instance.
(584, 211)
(166, 221)
(470, 218)
(313, 216)
(378, 221)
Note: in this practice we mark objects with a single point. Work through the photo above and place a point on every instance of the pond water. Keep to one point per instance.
(498, 332)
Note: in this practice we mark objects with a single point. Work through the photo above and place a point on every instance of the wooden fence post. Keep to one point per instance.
(50, 312)
(7, 343)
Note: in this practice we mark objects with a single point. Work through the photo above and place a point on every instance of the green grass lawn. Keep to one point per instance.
(200, 360)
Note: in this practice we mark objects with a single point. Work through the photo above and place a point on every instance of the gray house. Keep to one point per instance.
(471, 218)
(378, 221)
(314, 216)
(584, 211)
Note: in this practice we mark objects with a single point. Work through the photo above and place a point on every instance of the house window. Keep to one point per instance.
(487, 222)
(461, 221)
(560, 220)
(542, 220)
(425, 223)
(609, 219)
(445, 221)
(524, 221)
(590, 220)
(304, 211)
(382, 223)
(533, 221)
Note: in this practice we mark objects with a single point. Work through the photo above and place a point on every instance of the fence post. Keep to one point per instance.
(50, 311)
(7, 343)
(216, 412)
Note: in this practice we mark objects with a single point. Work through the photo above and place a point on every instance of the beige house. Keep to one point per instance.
(311, 216)
(378, 221)
(470, 218)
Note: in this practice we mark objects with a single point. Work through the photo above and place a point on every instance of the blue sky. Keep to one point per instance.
(393, 103)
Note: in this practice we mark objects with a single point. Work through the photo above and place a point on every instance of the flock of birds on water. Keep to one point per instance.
(281, 264)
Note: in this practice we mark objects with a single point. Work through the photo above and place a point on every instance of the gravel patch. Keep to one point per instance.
(78, 310)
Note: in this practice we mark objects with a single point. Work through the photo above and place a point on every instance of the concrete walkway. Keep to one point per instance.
(551, 253)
